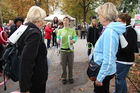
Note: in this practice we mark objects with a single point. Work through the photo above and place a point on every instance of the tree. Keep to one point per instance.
(53, 4)
(128, 5)
(80, 9)
(48, 5)
(72, 8)
(85, 4)
(124, 5)
(7, 12)
(13, 8)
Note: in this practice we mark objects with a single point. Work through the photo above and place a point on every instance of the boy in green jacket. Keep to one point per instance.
(66, 37)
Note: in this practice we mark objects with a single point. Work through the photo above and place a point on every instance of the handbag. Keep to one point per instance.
(93, 70)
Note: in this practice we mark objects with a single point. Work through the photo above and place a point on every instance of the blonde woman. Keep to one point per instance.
(92, 35)
(48, 31)
(106, 47)
(33, 70)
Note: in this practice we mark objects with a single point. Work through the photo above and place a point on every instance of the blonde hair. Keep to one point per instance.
(108, 11)
(92, 25)
(35, 14)
(48, 23)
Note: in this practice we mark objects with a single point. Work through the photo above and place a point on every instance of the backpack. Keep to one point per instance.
(11, 56)
(11, 62)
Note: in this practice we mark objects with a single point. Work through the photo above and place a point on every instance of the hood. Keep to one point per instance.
(117, 27)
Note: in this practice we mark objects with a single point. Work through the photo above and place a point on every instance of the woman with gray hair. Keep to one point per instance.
(33, 69)
(106, 46)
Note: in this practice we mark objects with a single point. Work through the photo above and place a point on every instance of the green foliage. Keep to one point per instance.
(82, 10)
(8, 14)
(12, 8)
(128, 5)
(6, 11)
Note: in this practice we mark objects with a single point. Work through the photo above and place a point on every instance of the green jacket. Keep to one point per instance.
(64, 34)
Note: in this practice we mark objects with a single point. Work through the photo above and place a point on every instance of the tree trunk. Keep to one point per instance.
(47, 7)
(35, 2)
(124, 10)
(84, 10)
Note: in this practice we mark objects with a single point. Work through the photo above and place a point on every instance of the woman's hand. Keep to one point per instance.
(88, 43)
(98, 83)
(58, 42)
(71, 41)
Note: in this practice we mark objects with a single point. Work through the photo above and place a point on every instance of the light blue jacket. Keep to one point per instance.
(106, 48)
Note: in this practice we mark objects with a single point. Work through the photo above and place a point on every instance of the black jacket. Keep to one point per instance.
(127, 54)
(33, 66)
(92, 35)
(13, 28)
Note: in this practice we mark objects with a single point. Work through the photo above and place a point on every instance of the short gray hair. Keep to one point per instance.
(108, 11)
(35, 14)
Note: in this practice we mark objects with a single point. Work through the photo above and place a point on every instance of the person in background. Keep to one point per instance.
(1, 51)
(54, 26)
(43, 30)
(83, 30)
(125, 56)
(33, 69)
(66, 37)
(106, 46)
(87, 26)
(8, 26)
(17, 22)
(92, 35)
(100, 28)
(48, 31)
(4, 25)
(60, 25)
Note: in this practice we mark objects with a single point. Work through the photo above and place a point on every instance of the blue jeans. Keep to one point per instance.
(120, 76)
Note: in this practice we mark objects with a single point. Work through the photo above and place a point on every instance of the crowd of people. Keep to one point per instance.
(104, 38)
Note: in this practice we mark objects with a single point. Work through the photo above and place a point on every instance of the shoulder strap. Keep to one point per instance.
(16, 35)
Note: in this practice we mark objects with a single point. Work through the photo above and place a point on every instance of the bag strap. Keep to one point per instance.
(17, 34)
(5, 88)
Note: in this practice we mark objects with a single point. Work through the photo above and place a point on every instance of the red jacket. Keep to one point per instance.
(48, 32)
(1, 42)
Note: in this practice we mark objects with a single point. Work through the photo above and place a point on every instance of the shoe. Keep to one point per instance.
(71, 81)
(64, 81)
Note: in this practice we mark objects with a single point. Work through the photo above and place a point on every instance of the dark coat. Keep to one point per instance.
(13, 28)
(33, 66)
(92, 35)
(127, 54)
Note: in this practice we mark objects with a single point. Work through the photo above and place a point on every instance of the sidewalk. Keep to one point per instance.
(81, 85)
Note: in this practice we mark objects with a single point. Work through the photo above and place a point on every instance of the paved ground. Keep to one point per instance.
(82, 83)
